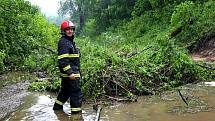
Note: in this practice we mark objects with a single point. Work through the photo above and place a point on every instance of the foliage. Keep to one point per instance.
(41, 62)
(196, 21)
(89, 28)
(15, 17)
(163, 66)
(93, 59)
(24, 29)
(183, 14)
(45, 85)
(2, 56)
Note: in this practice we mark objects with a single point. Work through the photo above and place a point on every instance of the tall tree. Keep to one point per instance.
(105, 12)
(78, 10)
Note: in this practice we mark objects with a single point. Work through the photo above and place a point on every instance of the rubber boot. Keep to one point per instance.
(57, 107)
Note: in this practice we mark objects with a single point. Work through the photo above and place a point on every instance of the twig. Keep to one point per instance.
(117, 99)
(120, 85)
(182, 97)
(98, 112)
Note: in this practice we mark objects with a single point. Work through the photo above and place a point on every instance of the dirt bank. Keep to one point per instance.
(205, 51)
(12, 97)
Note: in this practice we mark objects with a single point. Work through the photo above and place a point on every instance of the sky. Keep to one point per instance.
(48, 7)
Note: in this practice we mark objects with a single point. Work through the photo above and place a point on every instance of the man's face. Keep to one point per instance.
(69, 31)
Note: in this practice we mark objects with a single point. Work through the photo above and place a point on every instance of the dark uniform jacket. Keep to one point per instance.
(68, 57)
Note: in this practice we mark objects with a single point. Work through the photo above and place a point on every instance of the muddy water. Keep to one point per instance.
(165, 107)
(168, 106)
(157, 111)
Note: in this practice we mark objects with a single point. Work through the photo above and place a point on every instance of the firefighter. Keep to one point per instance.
(69, 65)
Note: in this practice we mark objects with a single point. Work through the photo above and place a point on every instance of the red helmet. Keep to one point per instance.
(66, 24)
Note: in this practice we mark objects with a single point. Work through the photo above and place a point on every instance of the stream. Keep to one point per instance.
(167, 106)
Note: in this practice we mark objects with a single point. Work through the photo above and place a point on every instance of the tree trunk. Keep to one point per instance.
(81, 17)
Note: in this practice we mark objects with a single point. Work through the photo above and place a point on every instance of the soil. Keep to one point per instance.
(205, 51)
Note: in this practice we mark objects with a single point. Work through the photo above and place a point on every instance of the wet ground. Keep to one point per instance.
(164, 107)
(12, 96)
(13, 89)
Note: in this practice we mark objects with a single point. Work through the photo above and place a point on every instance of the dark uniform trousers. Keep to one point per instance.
(70, 89)
(69, 63)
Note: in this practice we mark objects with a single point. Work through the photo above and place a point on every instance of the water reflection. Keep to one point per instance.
(39, 108)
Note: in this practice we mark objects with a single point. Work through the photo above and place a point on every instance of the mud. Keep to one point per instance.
(12, 97)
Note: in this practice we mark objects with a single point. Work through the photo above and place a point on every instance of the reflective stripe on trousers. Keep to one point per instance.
(75, 109)
(59, 102)
(76, 75)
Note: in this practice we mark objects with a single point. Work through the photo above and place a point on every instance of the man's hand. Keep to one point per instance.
(71, 77)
